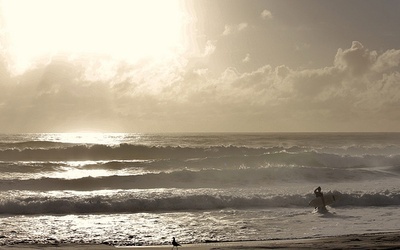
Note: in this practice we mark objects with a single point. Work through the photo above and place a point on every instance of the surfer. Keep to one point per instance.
(174, 243)
(318, 193)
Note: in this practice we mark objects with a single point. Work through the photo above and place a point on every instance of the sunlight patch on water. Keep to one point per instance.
(89, 138)
(74, 173)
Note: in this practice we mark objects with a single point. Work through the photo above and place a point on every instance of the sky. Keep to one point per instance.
(199, 66)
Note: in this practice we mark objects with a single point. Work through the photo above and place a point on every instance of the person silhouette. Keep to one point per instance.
(175, 244)
(318, 193)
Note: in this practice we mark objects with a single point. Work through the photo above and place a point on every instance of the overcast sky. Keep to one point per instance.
(199, 66)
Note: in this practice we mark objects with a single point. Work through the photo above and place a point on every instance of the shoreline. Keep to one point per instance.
(381, 240)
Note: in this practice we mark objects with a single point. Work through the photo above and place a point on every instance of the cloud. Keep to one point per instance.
(388, 61)
(360, 91)
(357, 59)
(246, 59)
(351, 95)
(209, 48)
(46, 98)
(266, 14)
(232, 29)
(64, 96)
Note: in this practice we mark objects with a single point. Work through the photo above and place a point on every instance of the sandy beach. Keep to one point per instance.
(389, 240)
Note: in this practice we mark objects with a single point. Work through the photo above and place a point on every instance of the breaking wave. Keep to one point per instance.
(211, 178)
(51, 151)
(31, 170)
(130, 203)
(216, 157)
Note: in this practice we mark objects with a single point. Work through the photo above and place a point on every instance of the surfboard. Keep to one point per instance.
(317, 202)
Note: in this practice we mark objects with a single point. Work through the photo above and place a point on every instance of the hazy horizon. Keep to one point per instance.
(157, 66)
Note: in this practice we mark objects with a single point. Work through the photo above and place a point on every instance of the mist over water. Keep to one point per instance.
(98, 176)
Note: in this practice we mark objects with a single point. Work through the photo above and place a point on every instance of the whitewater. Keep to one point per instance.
(144, 189)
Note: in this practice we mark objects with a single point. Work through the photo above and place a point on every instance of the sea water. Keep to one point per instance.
(144, 189)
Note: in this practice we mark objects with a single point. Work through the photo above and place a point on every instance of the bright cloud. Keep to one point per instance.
(360, 84)
(232, 29)
(209, 48)
(266, 14)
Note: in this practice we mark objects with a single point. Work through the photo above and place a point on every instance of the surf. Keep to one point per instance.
(174, 200)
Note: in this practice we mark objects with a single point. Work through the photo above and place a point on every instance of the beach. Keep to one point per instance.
(387, 240)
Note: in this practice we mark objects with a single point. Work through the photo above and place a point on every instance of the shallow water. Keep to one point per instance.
(200, 226)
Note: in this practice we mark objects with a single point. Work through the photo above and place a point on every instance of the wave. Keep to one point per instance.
(122, 151)
(40, 145)
(131, 203)
(205, 157)
(208, 178)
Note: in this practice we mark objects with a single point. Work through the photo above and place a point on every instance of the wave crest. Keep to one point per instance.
(129, 203)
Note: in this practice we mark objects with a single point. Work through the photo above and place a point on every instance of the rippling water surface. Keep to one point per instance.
(130, 189)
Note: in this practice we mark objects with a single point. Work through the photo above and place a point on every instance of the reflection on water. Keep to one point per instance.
(192, 227)
(89, 138)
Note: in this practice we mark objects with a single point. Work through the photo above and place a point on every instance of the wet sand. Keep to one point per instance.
(390, 240)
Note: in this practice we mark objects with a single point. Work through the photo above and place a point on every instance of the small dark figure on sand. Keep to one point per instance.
(175, 244)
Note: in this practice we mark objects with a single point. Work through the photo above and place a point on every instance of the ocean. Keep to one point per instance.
(144, 189)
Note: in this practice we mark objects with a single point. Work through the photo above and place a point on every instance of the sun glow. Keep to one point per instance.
(123, 29)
